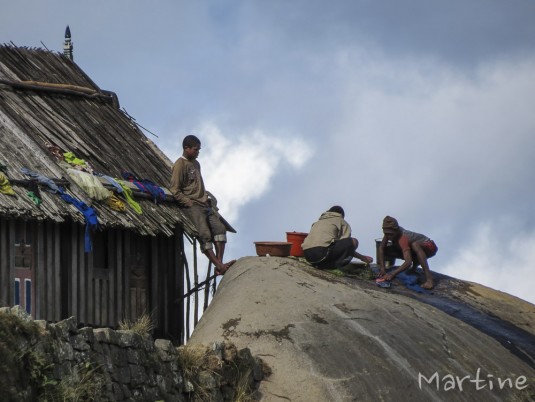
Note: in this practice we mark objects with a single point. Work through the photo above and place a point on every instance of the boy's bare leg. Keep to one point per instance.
(428, 284)
(219, 250)
(220, 267)
(422, 259)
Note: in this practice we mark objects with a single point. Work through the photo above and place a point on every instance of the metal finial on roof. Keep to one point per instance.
(67, 46)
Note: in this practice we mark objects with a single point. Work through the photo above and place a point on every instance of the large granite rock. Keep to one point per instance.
(329, 338)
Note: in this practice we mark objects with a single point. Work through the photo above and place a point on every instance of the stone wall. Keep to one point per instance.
(115, 365)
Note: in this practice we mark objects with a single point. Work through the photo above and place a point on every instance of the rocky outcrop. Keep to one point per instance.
(62, 362)
(330, 338)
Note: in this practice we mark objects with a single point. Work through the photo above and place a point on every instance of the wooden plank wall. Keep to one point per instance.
(67, 283)
(7, 262)
(47, 267)
(167, 286)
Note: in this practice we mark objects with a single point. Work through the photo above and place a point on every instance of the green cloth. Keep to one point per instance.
(37, 201)
(73, 160)
(127, 192)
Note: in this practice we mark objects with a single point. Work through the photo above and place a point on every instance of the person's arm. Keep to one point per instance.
(364, 258)
(407, 257)
(176, 185)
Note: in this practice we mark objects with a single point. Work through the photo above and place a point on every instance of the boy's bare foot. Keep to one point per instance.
(428, 284)
(224, 268)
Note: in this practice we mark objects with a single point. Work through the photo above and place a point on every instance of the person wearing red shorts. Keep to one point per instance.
(414, 248)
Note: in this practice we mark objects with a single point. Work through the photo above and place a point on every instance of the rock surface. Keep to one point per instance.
(329, 338)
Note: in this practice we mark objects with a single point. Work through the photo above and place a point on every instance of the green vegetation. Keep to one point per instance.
(26, 372)
(38, 364)
(236, 376)
(244, 393)
(83, 383)
(22, 362)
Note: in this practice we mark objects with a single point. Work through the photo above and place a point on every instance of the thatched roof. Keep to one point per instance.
(45, 98)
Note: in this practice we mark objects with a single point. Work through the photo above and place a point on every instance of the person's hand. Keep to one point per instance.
(388, 277)
(367, 259)
(188, 203)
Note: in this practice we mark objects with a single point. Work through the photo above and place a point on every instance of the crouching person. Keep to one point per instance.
(329, 243)
(414, 248)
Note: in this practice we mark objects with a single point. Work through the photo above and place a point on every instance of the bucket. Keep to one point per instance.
(390, 260)
(296, 238)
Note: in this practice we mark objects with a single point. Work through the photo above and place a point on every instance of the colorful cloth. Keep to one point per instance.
(36, 200)
(52, 187)
(91, 220)
(73, 160)
(115, 203)
(90, 215)
(127, 193)
(5, 186)
(146, 186)
(77, 163)
(90, 184)
(112, 181)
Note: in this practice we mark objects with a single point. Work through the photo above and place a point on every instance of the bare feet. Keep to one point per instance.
(224, 268)
(428, 284)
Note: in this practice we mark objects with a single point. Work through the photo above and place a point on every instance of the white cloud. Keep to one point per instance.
(494, 258)
(240, 170)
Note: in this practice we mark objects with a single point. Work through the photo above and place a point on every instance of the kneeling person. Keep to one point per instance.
(329, 243)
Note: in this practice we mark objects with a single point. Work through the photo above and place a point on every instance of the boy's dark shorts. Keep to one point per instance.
(429, 247)
(208, 225)
(334, 256)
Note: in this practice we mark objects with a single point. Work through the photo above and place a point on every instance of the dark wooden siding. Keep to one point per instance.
(124, 277)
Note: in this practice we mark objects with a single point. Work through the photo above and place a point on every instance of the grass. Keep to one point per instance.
(84, 383)
(191, 359)
(244, 393)
(143, 325)
(26, 369)
(196, 358)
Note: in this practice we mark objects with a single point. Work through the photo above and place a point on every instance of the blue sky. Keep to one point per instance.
(422, 110)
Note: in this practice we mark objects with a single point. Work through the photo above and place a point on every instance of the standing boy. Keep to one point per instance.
(329, 243)
(187, 187)
(414, 248)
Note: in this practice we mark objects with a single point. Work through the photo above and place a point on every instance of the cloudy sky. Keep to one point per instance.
(423, 110)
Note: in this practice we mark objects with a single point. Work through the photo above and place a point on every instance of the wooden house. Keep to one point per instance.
(137, 263)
